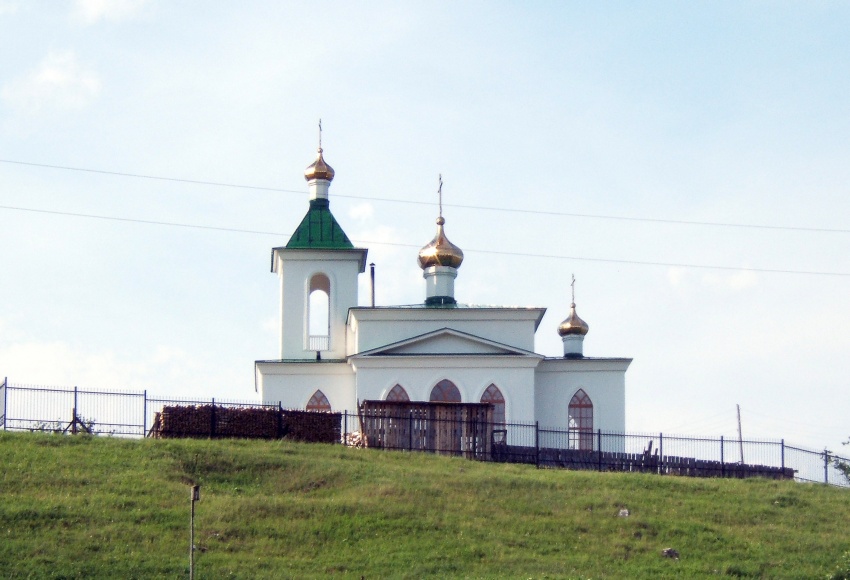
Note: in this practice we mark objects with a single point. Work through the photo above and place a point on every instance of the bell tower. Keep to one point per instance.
(318, 270)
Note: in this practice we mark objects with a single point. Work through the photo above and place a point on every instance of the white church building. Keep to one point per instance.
(438, 350)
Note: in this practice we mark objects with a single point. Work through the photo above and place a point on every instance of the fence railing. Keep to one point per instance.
(318, 342)
(610, 451)
(132, 414)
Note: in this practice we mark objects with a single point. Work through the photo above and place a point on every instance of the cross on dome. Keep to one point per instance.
(572, 324)
(440, 251)
(319, 169)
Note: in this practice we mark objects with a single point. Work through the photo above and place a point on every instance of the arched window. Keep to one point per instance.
(318, 402)
(445, 392)
(397, 393)
(319, 313)
(581, 422)
(494, 396)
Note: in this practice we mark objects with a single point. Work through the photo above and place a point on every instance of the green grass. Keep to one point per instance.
(88, 507)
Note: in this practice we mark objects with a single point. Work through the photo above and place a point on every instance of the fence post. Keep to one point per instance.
(599, 449)
(537, 444)
(782, 444)
(279, 419)
(826, 465)
(661, 454)
(722, 463)
(5, 399)
(212, 419)
(345, 427)
(74, 418)
(410, 430)
(144, 413)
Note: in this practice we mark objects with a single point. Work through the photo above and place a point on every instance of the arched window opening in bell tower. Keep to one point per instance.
(581, 422)
(319, 313)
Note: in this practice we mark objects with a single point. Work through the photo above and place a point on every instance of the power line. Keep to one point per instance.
(459, 206)
(139, 221)
(155, 177)
(398, 244)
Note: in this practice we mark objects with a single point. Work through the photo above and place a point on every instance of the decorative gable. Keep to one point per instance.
(446, 342)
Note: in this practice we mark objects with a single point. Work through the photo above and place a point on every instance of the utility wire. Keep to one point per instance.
(156, 177)
(460, 206)
(397, 244)
(139, 221)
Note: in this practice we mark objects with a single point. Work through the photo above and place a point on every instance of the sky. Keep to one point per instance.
(687, 162)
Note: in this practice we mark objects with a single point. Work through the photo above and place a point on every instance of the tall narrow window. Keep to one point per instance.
(445, 392)
(581, 422)
(318, 313)
(494, 396)
(318, 402)
(397, 393)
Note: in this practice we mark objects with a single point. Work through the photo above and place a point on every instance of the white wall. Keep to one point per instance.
(604, 381)
(471, 374)
(292, 384)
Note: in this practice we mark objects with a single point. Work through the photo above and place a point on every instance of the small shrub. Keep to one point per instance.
(843, 466)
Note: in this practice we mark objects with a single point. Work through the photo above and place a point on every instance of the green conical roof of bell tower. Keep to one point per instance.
(319, 228)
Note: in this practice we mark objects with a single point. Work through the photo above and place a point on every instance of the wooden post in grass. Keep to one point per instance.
(194, 496)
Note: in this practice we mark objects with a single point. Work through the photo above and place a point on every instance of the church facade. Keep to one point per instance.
(335, 353)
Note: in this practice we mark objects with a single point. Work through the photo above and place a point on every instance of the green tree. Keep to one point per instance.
(843, 466)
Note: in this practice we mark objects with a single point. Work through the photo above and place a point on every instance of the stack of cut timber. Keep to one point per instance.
(206, 421)
(185, 421)
(312, 427)
(248, 422)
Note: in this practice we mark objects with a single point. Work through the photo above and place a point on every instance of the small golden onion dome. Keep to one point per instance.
(440, 252)
(573, 324)
(319, 169)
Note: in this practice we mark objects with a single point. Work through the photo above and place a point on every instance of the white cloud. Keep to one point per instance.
(58, 364)
(164, 370)
(682, 279)
(271, 324)
(8, 7)
(731, 282)
(362, 211)
(58, 82)
(398, 278)
(676, 276)
(91, 11)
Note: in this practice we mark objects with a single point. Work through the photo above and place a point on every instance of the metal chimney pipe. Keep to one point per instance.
(372, 275)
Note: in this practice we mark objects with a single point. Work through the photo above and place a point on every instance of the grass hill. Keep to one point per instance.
(94, 507)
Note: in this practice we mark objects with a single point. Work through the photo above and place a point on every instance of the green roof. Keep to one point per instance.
(319, 229)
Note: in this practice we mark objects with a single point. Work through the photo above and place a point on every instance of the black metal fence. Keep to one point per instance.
(133, 414)
(632, 452)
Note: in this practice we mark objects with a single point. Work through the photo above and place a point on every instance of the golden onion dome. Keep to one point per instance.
(573, 324)
(319, 169)
(440, 252)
